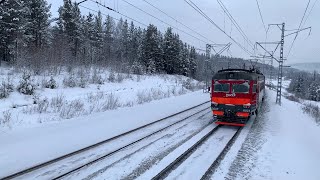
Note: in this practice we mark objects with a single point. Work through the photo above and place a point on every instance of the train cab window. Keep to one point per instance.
(221, 87)
(240, 88)
(254, 88)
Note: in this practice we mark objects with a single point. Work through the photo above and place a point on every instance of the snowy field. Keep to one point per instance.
(82, 92)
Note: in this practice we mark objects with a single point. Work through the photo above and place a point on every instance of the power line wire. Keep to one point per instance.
(118, 12)
(310, 12)
(261, 17)
(164, 21)
(305, 11)
(177, 20)
(225, 10)
(196, 8)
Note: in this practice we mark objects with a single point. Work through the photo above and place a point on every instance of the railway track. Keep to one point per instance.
(156, 127)
(188, 152)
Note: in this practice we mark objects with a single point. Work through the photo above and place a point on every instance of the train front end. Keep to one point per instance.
(233, 97)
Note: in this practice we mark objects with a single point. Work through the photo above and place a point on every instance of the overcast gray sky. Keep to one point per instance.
(245, 12)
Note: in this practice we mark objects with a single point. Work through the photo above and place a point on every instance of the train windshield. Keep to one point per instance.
(218, 87)
(240, 88)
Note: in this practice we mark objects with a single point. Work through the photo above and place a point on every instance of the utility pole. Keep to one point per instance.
(281, 59)
(280, 73)
(208, 49)
(225, 47)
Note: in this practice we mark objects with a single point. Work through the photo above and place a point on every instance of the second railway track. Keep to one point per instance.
(50, 168)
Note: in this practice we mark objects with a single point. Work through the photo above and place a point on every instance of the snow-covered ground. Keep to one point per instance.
(102, 91)
(23, 148)
(282, 144)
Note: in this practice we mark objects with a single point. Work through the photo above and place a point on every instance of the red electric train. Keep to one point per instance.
(236, 94)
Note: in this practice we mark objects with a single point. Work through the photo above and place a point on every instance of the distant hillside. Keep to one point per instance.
(309, 67)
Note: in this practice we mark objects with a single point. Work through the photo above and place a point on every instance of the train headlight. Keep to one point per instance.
(214, 104)
(246, 106)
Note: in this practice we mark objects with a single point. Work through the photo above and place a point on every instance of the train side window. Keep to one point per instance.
(221, 87)
(254, 88)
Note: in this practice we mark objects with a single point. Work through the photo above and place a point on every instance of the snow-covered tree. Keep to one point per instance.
(37, 28)
(169, 51)
(69, 23)
(108, 37)
(12, 26)
(151, 49)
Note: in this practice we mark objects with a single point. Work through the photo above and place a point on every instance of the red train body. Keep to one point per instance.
(236, 94)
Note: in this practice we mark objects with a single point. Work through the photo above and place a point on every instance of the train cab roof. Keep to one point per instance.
(238, 74)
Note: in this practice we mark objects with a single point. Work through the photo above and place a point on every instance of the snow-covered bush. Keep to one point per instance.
(42, 106)
(73, 109)
(112, 77)
(70, 81)
(112, 102)
(26, 85)
(313, 110)
(6, 87)
(7, 117)
(120, 78)
(293, 98)
(57, 102)
(143, 96)
(190, 85)
(51, 84)
(83, 82)
(96, 78)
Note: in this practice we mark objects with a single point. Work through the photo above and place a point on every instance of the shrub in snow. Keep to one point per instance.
(83, 82)
(42, 106)
(57, 103)
(7, 116)
(293, 98)
(26, 85)
(129, 104)
(188, 84)
(6, 87)
(96, 78)
(51, 84)
(73, 109)
(143, 96)
(112, 77)
(112, 102)
(313, 110)
(70, 81)
(120, 78)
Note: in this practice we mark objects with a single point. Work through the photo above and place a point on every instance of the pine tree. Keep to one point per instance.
(69, 23)
(108, 37)
(98, 37)
(118, 48)
(313, 93)
(176, 59)
(192, 62)
(37, 29)
(133, 44)
(125, 42)
(137, 66)
(151, 49)
(169, 52)
(12, 25)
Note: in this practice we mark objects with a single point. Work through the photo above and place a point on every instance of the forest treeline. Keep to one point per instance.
(31, 38)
